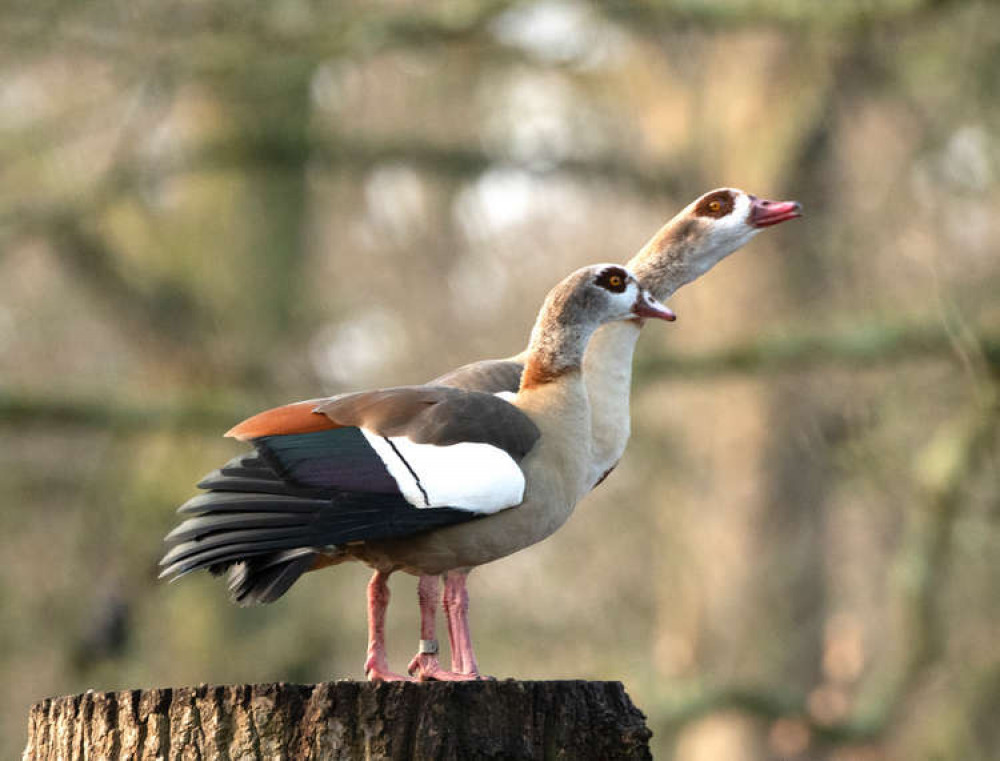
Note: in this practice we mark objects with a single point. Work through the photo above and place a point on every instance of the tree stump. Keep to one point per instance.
(569, 720)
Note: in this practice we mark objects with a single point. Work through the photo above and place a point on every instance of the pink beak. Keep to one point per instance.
(647, 306)
(765, 213)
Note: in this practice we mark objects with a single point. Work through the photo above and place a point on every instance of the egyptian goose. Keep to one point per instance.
(704, 233)
(425, 479)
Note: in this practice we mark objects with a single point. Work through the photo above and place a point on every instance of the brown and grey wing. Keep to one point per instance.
(491, 376)
(364, 467)
(437, 416)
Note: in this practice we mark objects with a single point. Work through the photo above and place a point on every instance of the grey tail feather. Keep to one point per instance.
(265, 578)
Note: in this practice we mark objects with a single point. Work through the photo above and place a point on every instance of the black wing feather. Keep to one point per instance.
(267, 516)
(267, 531)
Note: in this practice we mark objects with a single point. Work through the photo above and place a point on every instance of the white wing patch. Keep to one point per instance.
(469, 476)
(507, 396)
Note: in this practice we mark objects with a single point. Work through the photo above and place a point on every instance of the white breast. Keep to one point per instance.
(469, 476)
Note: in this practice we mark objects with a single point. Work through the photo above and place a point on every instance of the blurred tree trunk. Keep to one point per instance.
(271, 105)
(346, 720)
(279, 245)
(793, 532)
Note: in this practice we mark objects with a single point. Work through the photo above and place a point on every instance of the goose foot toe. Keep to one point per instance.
(426, 668)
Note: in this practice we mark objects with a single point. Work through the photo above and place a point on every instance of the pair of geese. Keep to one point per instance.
(438, 479)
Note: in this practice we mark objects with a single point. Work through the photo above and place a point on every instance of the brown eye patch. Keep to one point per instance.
(716, 205)
(614, 279)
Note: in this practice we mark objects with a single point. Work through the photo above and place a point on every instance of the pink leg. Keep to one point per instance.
(451, 615)
(456, 603)
(376, 666)
(425, 663)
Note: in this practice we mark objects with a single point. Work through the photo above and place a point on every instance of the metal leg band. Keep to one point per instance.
(429, 647)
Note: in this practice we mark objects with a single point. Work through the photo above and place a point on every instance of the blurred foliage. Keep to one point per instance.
(207, 208)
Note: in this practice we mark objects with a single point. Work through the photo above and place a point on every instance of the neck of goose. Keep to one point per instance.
(667, 260)
(556, 349)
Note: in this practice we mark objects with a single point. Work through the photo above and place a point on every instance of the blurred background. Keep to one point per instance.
(211, 208)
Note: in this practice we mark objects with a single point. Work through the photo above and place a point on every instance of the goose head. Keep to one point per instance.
(704, 233)
(603, 293)
(728, 218)
(574, 309)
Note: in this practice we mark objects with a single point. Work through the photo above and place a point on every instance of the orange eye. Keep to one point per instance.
(714, 206)
(615, 281)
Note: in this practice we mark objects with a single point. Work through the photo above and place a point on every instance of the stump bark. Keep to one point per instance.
(439, 721)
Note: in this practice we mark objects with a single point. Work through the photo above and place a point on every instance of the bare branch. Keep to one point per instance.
(647, 16)
(194, 45)
(27, 409)
(859, 348)
(349, 153)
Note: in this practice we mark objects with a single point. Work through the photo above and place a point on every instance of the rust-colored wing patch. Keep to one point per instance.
(292, 418)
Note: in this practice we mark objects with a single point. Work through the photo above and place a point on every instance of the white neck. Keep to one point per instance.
(607, 373)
